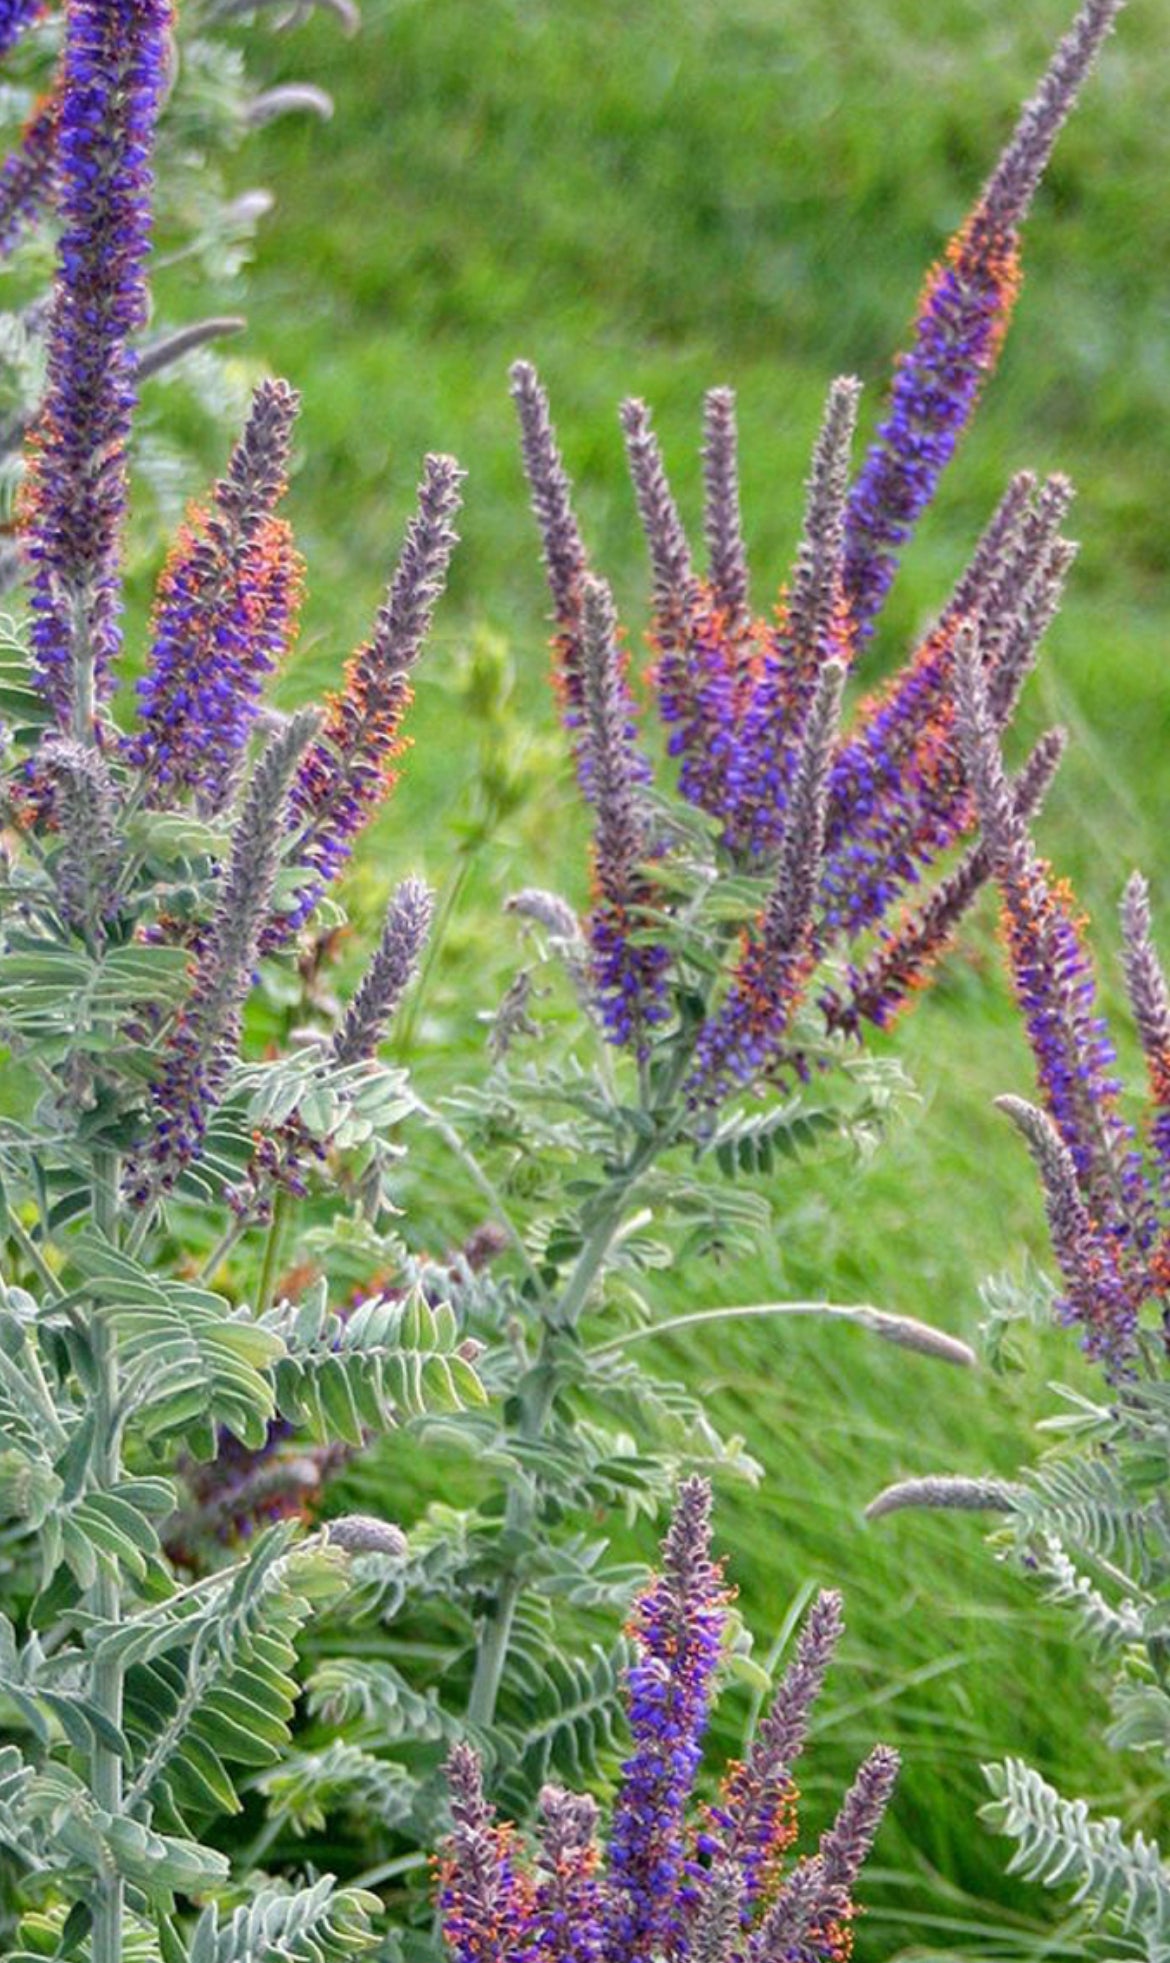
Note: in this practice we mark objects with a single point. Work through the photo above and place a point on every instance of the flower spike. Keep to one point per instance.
(201, 1049)
(754, 1822)
(26, 177)
(678, 1627)
(1149, 999)
(349, 770)
(814, 628)
(627, 976)
(962, 318)
(224, 615)
(1100, 1295)
(909, 952)
(723, 526)
(551, 493)
(670, 554)
(113, 76)
(485, 1904)
(743, 1040)
(396, 959)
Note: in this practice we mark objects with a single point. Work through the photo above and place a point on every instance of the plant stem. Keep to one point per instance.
(272, 1247)
(106, 1684)
(496, 1632)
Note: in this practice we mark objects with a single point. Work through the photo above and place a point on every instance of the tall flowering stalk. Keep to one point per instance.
(350, 769)
(201, 1049)
(26, 176)
(628, 974)
(1102, 1207)
(962, 318)
(671, 1883)
(113, 76)
(224, 615)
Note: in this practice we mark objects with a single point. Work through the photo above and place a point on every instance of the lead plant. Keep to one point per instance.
(145, 869)
(1090, 1518)
(211, 105)
(671, 1878)
(742, 938)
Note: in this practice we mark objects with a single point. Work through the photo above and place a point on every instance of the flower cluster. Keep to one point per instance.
(113, 75)
(26, 177)
(672, 1882)
(843, 827)
(224, 615)
(1106, 1209)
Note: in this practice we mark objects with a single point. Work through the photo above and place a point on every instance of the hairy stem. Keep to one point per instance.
(106, 1687)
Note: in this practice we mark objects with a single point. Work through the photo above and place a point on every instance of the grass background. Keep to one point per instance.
(650, 200)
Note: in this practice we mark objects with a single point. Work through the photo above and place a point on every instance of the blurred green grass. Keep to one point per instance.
(650, 200)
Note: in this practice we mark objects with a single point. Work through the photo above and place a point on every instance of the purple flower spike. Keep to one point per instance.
(201, 1048)
(396, 958)
(223, 620)
(113, 75)
(349, 771)
(485, 1903)
(551, 492)
(810, 1917)
(1054, 980)
(677, 1627)
(814, 628)
(569, 1901)
(743, 1041)
(26, 177)
(723, 528)
(1149, 999)
(909, 952)
(961, 322)
(1101, 1297)
(15, 16)
(754, 1822)
(628, 977)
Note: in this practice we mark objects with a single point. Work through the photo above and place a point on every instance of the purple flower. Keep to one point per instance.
(569, 1904)
(224, 616)
(113, 75)
(960, 325)
(754, 1822)
(396, 958)
(899, 797)
(15, 16)
(348, 772)
(815, 627)
(743, 1040)
(1149, 999)
(1102, 1295)
(1054, 980)
(201, 1048)
(677, 1627)
(26, 177)
(628, 975)
(485, 1900)
(909, 950)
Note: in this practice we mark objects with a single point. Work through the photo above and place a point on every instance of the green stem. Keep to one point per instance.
(272, 1247)
(107, 1679)
(490, 1191)
(496, 1631)
(34, 1257)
